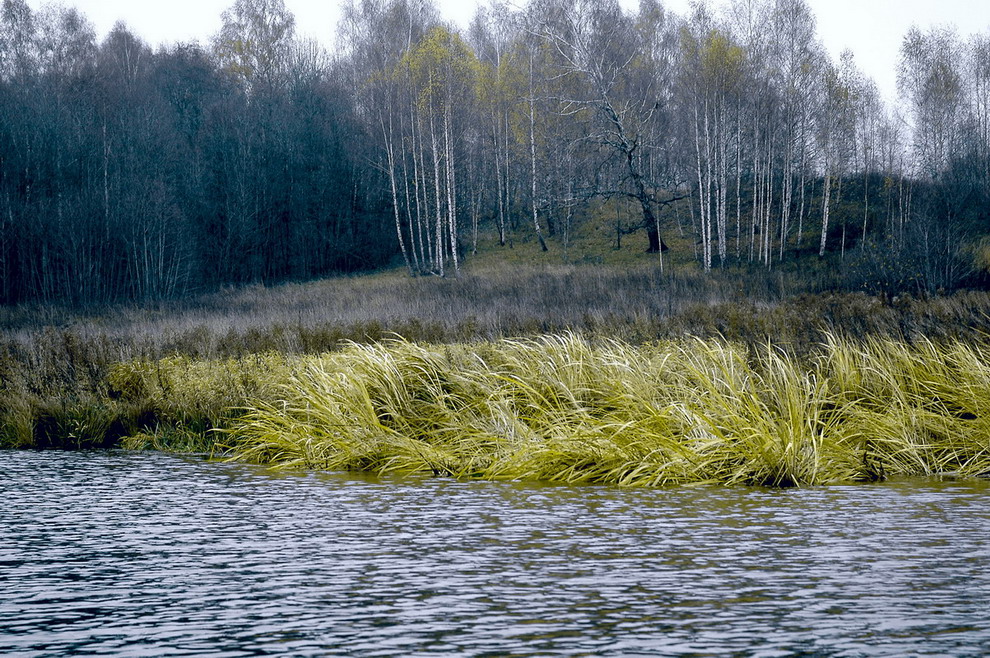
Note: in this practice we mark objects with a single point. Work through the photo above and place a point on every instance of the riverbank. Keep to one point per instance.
(564, 408)
(167, 377)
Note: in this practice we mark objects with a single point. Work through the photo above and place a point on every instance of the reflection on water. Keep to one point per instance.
(146, 554)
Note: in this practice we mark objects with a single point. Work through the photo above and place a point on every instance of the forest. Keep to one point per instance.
(132, 173)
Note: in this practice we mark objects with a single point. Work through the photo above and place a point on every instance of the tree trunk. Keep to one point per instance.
(532, 152)
(438, 210)
(390, 154)
(451, 190)
(825, 211)
(499, 184)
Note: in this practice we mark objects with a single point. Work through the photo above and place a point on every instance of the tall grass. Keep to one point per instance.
(562, 408)
(58, 366)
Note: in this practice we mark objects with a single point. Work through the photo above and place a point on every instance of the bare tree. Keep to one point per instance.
(599, 45)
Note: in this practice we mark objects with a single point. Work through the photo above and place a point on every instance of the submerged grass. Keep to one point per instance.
(562, 408)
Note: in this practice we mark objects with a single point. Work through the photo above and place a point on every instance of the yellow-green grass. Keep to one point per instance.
(59, 386)
(562, 408)
(557, 407)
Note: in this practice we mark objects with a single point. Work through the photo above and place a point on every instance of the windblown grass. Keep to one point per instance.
(562, 408)
(58, 366)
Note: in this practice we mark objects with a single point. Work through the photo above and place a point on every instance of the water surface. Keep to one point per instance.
(149, 554)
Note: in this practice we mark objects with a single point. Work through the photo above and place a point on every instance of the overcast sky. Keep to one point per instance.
(872, 29)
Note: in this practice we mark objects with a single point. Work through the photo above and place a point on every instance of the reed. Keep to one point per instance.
(563, 408)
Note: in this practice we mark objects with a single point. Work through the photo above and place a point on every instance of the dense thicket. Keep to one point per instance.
(132, 173)
(127, 173)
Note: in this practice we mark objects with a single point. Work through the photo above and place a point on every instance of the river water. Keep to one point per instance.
(149, 554)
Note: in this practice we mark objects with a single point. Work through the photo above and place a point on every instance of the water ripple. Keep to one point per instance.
(146, 554)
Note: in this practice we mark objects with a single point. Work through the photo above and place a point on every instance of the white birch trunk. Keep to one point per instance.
(702, 195)
(390, 155)
(498, 183)
(438, 210)
(451, 190)
(825, 210)
(532, 152)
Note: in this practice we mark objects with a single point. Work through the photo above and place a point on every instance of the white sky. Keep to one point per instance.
(872, 29)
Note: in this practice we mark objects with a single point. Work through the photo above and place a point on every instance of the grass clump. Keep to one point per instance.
(170, 404)
(923, 409)
(563, 408)
(182, 400)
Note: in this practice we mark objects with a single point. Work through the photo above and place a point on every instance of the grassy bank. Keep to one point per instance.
(634, 303)
(564, 408)
(166, 376)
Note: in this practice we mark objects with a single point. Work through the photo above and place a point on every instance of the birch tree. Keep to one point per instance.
(712, 71)
(495, 30)
(442, 70)
(255, 41)
(795, 56)
(599, 45)
(836, 132)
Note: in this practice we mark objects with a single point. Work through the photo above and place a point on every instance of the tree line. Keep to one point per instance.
(132, 173)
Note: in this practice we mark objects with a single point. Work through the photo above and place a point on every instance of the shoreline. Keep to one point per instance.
(558, 407)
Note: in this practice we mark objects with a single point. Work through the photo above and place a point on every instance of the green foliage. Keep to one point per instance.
(442, 68)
